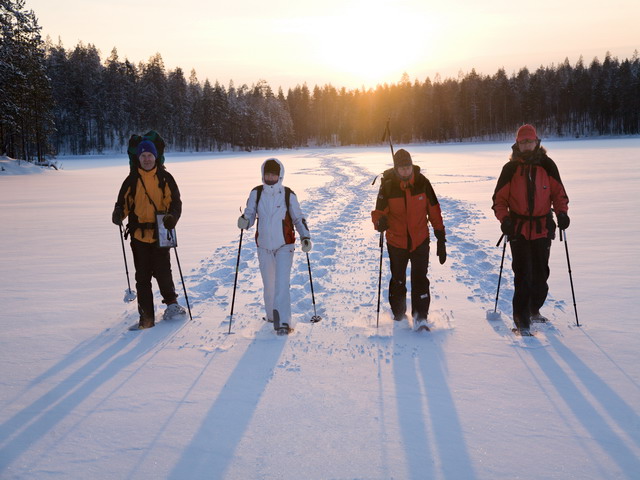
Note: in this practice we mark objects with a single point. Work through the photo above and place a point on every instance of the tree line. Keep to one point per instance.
(54, 100)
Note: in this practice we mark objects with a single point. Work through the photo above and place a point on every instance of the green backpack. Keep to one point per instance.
(135, 140)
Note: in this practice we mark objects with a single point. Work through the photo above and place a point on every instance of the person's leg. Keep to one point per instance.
(398, 260)
(267, 261)
(521, 264)
(282, 295)
(540, 251)
(420, 296)
(163, 275)
(143, 262)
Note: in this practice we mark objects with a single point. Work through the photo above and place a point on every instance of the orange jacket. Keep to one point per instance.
(409, 207)
(526, 191)
(141, 194)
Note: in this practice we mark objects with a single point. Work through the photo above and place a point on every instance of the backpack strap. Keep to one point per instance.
(258, 189)
(287, 196)
(131, 182)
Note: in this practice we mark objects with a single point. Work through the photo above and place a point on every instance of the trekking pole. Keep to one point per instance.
(184, 287)
(129, 295)
(386, 134)
(504, 248)
(235, 282)
(379, 279)
(566, 247)
(316, 318)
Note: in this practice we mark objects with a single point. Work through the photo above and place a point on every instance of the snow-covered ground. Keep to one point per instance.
(83, 397)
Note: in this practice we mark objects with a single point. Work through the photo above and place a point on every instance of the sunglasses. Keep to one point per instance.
(527, 141)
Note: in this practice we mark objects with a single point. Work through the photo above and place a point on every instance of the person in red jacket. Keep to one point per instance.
(405, 206)
(527, 190)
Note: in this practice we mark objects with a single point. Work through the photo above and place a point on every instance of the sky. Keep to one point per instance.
(346, 43)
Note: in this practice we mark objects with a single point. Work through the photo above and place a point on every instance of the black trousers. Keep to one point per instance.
(531, 271)
(152, 261)
(420, 297)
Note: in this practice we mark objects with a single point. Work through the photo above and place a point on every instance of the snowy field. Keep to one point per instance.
(83, 397)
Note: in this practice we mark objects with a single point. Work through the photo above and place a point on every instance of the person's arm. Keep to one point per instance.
(248, 217)
(379, 215)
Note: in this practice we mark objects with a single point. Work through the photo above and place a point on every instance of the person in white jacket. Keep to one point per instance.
(278, 212)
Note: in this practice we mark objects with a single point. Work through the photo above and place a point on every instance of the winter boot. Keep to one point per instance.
(173, 311)
(144, 323)
(283, 329)
(521, 321)
(522, 325)
(280, 328)
(420, 325)
(400, 316)
(537, 317)
(522, 332)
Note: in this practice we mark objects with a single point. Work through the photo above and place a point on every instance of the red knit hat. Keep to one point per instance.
(526, 132)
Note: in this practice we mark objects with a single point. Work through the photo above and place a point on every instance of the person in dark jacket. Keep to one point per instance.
(148, 190)
(527, 190)
(405, 206)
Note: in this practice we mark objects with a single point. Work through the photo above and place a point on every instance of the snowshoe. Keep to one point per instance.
(522, 332)
(538, 318)
(283, 329)
(173, 311)
(420, 325)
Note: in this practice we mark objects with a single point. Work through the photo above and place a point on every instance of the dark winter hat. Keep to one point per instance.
(402, 159)
(272, 166)
(147, 146)
(526, 132)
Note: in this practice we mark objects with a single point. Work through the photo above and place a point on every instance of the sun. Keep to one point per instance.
(373, 44)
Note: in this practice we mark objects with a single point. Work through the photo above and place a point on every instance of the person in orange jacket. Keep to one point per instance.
(148, 190)
(527, 189)
(405, 206)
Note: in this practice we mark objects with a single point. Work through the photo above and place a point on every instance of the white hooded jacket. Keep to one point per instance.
(271, 212)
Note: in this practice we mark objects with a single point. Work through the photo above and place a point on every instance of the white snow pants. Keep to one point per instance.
(275, 267)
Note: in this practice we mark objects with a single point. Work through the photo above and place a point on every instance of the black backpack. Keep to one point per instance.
(135, 140)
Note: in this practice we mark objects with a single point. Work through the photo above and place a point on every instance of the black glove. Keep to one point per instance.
(563, 220)
(441, 250)
(383, 223)
(118, 215)
(507, 227)
(169, 221)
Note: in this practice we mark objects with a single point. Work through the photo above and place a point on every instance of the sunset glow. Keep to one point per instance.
(349, 43)
(370, 44)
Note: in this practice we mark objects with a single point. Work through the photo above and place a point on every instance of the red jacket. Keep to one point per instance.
(409, 207)
(526, 191)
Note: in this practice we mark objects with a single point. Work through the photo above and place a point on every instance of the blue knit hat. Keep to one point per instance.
(146, 146)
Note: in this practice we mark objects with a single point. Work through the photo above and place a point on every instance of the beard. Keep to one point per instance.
(404, 178)
(527, 155)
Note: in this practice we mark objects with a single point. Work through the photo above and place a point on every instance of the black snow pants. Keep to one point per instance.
(420, 297)
(152, 261)
(531, 271)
